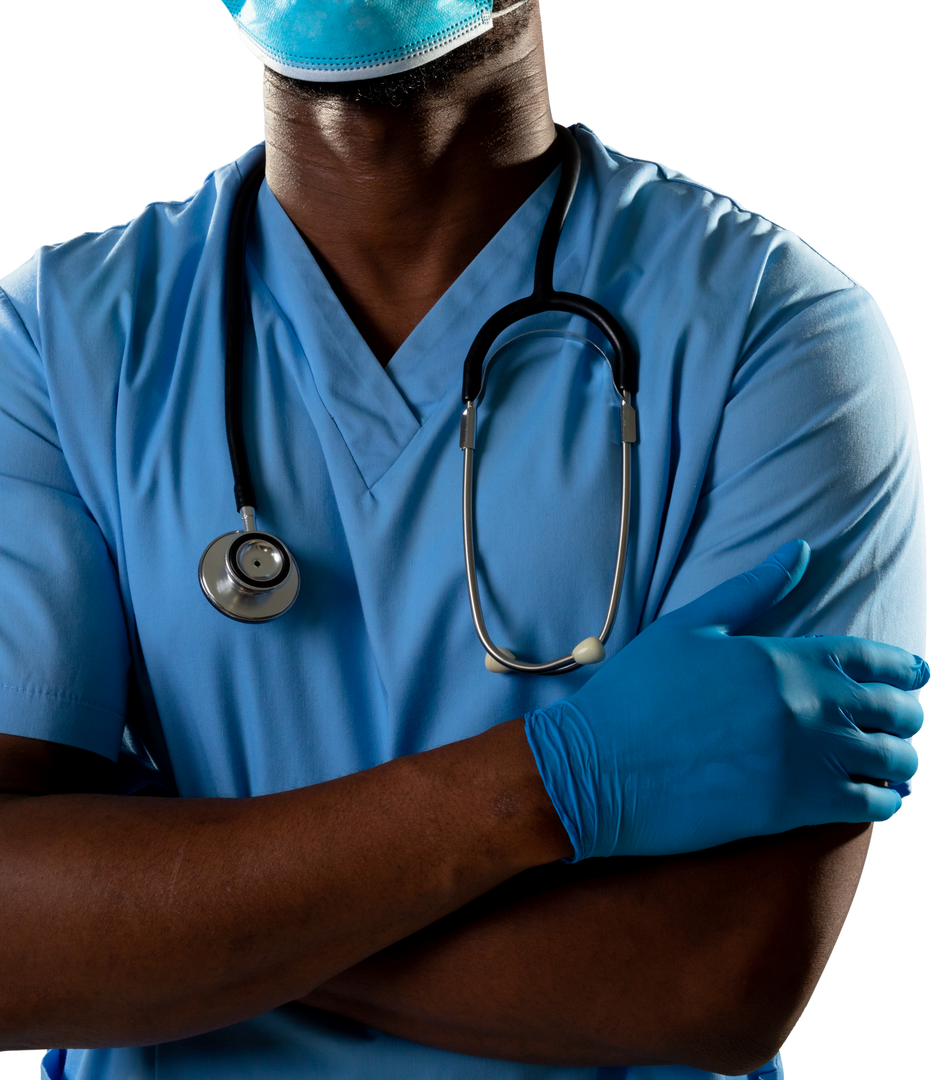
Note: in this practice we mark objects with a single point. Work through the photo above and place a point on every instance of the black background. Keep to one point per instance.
(808, 120)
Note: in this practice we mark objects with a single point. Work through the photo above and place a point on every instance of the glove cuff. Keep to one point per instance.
(550, 733)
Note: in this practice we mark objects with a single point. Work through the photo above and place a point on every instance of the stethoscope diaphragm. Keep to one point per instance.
(249, 576)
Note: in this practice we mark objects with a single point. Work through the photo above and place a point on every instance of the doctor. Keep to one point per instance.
(386, 860)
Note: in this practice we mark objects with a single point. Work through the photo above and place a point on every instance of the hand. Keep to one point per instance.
(691, 737)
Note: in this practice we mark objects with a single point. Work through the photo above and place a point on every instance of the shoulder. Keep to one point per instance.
(667, 225)
(96, 288)
(715, 289)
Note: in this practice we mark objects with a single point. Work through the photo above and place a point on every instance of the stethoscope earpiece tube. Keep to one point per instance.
(544, 298)
(556, 219)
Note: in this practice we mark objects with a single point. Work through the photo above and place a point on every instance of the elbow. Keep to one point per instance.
(731, 1042)
(14, 1034)
(16, 1048)
(734, 1046)
(748, 1052)
(737, 1028)
(12, 1040)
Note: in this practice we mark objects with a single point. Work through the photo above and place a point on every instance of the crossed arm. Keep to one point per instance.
(706, 959)
(423, 897)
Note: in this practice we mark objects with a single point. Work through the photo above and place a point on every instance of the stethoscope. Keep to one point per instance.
(251, 576)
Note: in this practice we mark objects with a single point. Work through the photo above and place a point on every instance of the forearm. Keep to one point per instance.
(705, 960)
(133, 921)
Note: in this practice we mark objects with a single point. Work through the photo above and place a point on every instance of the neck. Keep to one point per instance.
(396, 200)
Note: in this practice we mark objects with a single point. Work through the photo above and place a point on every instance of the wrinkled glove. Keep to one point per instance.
(691, 737)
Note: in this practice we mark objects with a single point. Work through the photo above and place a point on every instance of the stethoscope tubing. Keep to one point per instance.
(622, 361)
(243, 488)
(261, 600)
(566, 663)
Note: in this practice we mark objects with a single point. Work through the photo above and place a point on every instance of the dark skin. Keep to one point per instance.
(397, 201)
(394, 203)
(425, 896)
(420, 897)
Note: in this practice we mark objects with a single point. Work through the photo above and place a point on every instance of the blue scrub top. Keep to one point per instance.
(772, 405)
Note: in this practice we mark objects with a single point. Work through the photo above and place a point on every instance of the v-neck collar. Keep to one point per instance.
(379, 410)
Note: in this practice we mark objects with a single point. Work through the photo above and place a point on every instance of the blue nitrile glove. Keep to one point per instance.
(690, 737)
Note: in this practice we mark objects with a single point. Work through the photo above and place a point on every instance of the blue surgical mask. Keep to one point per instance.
(342, 40)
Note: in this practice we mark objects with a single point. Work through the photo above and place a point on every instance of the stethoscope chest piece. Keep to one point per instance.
(249, 576)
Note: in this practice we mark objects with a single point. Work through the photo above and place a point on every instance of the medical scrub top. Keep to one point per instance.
(771, 405)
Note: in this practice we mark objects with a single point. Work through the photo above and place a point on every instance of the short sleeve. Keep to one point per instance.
(64, 656)
(816, 441)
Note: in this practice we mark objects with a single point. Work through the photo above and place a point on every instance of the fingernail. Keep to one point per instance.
(923, 671)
